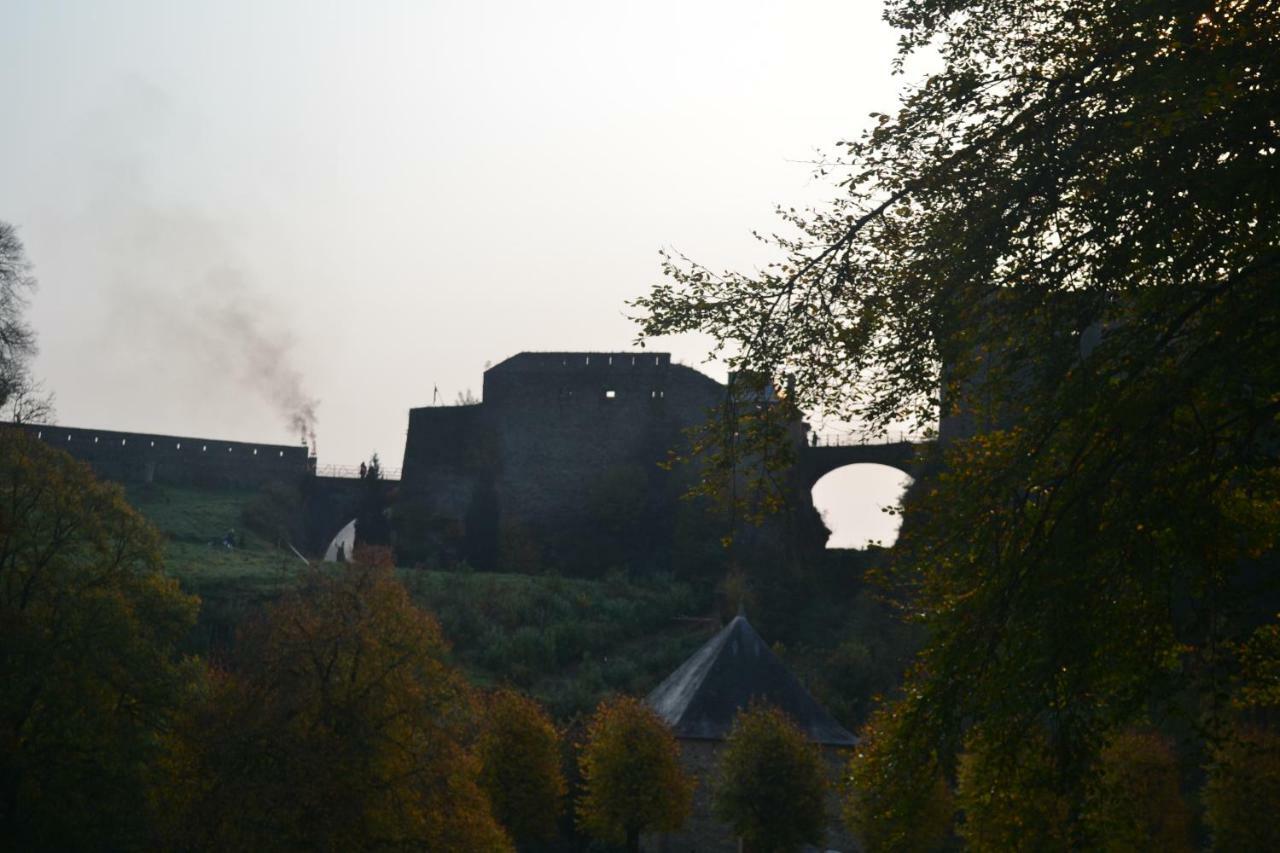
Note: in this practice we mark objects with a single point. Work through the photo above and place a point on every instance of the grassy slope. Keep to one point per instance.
(567, 641)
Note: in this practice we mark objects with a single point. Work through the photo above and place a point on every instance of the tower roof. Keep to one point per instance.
(701, 698)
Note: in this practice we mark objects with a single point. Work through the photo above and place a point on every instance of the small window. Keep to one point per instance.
(178, 445)
(282, 453)
(633, 361)
(610, 361)
(588, 361)
(68, 436)
(657, 359)
(123, 442)
(204, 448)
(228, 449)
(95, 439)
(39, 435)
(153, 444)
(610, 394)
(255, 451)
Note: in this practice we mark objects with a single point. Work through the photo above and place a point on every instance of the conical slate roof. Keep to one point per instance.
(701, 698)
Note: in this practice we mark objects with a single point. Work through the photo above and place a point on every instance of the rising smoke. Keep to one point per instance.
(180, 298)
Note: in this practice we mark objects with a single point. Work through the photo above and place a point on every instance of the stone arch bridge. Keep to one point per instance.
(813, 462)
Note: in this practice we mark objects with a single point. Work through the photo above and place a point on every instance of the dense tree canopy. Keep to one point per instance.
(771, 788)
(520, 766)
(1063, 248)
(632, 781)
(341, 727)
(90, 678)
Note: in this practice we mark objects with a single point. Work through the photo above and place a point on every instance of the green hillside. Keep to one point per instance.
(567, 641)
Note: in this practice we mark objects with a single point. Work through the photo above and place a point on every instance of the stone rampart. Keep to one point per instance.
(131, 457)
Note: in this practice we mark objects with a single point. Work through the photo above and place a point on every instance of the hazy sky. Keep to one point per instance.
(235, 207)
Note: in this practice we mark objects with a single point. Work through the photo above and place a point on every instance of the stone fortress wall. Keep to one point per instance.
(552, 431)
(131, 457)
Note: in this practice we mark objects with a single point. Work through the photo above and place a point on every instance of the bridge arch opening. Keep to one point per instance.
(852, 500)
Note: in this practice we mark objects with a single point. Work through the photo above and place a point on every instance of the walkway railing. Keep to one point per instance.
(856, 439)
(353, 472)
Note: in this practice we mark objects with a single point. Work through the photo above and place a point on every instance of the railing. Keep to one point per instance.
(353, 472)
(856, 439)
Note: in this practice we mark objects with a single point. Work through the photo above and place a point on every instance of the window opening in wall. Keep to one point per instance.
(68, 436)
(178, 445)
(657, 359)
(610, 394)
(633, 361)
(610, 361)
(95, 439)
(282, 453)
(123, 442)
(255, 451)
(40, 435)
(588, 361)
(204, 448)
(228, 449)
(153, 444)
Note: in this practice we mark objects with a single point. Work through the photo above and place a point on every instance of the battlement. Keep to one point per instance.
(148, 457)
(556, 362)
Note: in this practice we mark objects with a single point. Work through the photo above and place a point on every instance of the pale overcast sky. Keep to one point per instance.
(377, 198)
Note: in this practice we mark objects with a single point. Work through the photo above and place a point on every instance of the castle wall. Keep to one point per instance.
(561, 442)
(145, 457)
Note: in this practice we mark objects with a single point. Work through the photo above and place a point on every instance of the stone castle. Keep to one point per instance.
(559, 466)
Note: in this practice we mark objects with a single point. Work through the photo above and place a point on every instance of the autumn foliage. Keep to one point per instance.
(341, 727)
(896, 798)
(520, 766)
(1135, 799)
(90, 678)
(632, 781)
(771, 788)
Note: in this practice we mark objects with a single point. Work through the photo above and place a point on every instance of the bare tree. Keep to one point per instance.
(22, 399)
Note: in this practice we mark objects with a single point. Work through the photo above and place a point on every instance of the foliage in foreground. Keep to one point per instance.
(1135, 800)
(632, 781)
(89, 672)
(340, 727)
(1063, 249)
(1242, 791)
(771, 788)
(891, 805)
